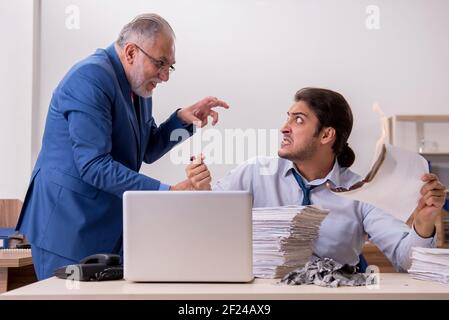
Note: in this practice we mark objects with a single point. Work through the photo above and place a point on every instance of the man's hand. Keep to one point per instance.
(200, 111)
(198, 174)
(183, 185)
(433, 197)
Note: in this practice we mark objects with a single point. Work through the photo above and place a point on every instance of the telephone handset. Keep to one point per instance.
(103, 258)
(97, 267)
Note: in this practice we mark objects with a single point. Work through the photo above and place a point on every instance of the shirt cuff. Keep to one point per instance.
(164, 187)
(419, 241)
(181, 123)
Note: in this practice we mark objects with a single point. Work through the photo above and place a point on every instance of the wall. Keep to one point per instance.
(256, 53)
(16, 89)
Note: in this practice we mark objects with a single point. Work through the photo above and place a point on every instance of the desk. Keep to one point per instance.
(392, 286)
(12, 258)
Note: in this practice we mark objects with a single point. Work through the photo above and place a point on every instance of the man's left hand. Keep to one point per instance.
(200, 111)
(429, 207)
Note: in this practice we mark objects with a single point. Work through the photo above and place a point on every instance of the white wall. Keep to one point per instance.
(256, 53)
(16, 64)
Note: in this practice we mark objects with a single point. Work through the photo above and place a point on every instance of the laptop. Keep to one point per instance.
(187, 236)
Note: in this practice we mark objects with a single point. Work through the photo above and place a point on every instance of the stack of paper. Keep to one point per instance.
(283, 238)
(430, 264)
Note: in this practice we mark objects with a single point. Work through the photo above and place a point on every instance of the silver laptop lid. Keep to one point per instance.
(187, 236)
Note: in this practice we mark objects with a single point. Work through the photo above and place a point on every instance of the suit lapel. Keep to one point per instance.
(126, 91)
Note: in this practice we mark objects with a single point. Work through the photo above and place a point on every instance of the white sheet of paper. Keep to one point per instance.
(396, 186)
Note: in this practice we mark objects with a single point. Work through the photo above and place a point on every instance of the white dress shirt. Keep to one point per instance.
(342, 232)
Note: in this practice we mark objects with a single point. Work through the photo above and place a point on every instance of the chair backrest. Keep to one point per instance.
(9, 212)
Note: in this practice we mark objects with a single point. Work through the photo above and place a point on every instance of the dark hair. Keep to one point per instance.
(332, 110)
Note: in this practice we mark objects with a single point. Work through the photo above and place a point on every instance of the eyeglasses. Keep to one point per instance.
(159, 64)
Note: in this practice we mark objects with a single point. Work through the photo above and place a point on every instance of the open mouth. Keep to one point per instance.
(286, 142)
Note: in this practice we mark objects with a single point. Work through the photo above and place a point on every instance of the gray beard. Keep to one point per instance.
(138, 88)
(143, 93)
(140, 91)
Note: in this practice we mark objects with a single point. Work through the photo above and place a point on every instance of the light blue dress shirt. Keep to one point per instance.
(164, 187)
(342, 233)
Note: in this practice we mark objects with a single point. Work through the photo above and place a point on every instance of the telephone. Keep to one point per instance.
(97, 267)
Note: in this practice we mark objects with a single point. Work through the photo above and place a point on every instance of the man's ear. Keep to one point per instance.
(328, 135)
(130, 52)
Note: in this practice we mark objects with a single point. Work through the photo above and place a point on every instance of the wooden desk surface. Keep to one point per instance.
(392, 286)
(13, 258)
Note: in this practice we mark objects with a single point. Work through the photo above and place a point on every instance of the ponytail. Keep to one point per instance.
(346, 157)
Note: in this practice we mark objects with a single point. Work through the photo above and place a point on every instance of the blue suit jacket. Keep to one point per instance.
(91, 153)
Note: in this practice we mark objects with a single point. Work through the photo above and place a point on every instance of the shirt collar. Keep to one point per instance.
(333, 175)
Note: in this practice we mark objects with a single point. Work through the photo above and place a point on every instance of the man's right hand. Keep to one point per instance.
(183, 185)
(198, 174)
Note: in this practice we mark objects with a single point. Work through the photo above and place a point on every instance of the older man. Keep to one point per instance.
(98, 132)
(314, 152)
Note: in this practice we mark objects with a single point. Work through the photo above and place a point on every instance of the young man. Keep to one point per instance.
(313, 152)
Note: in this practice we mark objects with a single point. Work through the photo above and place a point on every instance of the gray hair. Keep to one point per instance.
(146, 25)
